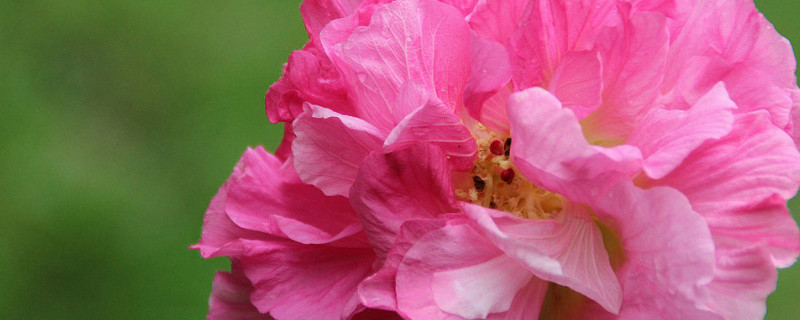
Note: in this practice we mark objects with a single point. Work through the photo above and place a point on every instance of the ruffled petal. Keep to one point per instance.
(435, 124)
(491, 71)
(393, 49)
(663, 265)
(265, 197)
(230, 297)
(297, 281)
(753, 162)
(567, 250)
(539, 123)
(329, 148)
(439, 277)
(577, 82)
(497, 20)
(667, 137)
(743, 279)
(413, 183)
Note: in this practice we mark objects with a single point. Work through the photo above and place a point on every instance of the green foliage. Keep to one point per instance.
(120, 119)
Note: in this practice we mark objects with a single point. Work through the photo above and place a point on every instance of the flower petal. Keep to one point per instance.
(263, 196)
(577, 82)
(413, 183)
(550, 150)
(667, 137)
(497, 20)
(668, 251)
(567, 250)
(329, 148)
(379, 58)
(444, 262)
(742, 281)
(230, 297)
(435, 124)
(753, 162)
(297, 281)
(491, 71)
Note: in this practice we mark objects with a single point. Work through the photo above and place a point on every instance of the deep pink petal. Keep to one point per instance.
(668, 251)
(262, 197)
(419, 40)
(297, 281)
(413, 183)
(329, 148)
(577, 82)
(437, 125)
(230, 297)
(550, 150)
(667, 137)
(567, 250)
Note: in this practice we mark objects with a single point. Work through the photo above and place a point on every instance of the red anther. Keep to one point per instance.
(507, 175)
(497, 147)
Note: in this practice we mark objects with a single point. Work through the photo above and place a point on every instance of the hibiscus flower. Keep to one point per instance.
(498, 159)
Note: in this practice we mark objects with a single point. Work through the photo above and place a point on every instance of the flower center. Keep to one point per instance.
(496, 183)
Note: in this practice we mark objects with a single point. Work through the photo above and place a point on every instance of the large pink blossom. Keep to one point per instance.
(518, 159)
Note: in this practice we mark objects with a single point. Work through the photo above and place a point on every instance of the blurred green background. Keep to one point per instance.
(120, 119)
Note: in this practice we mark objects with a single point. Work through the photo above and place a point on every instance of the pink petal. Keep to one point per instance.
(539, 123)
(668, 251)
(230, 297)
(491, 71)
(496, 20)
(296, 281)
(567, 250)
(437, 125)
(378, 290)
(263, 196)
(418, 40)
(329, 148)
(768, 224)
(464, 6)
(753, 162)
(667, 137)
(577, 82)
(457, 250)
(549, 29)
(634, 55)
(413, 183)
(318, 13)
(742, 281)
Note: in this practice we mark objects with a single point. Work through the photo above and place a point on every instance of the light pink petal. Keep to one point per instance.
(751, 89)
(753, 162)
(491, 71)
(768, 224)
(329, 148)
(375, 314)
(634, 55)
(742, 281)
(264, 197)
(577, 82)
(493, 112)
(567, 250)
(497, 20)
(796, 119)
(666, 137)
(413, 183)
(230, 297)
(668, 251)
(420, 40)
(296, 281)
(439, 276)
(538, 123)
(464, 6)
(437, 125)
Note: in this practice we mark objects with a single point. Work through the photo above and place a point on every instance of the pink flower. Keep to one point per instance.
(518, 159)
